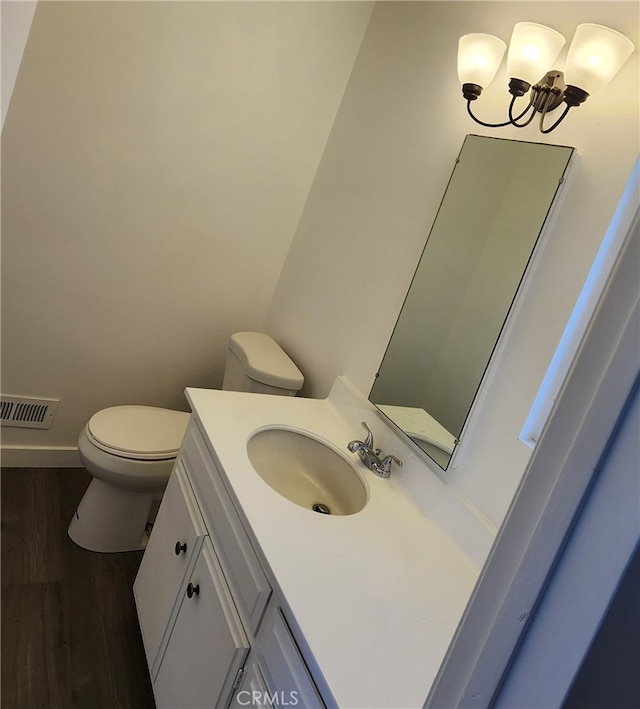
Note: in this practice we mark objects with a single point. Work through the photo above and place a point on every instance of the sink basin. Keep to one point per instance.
(306, 471)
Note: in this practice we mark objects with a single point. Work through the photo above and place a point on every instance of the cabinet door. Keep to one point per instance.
(283, 668)
(162, 575)
(207, 648)
(253, 691)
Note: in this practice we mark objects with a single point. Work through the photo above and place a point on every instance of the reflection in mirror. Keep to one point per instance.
(481, 242)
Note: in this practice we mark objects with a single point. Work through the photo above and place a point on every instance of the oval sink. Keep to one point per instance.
(306, 471)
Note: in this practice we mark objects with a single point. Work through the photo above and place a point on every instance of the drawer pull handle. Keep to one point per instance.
(180, 547)
(193, 590)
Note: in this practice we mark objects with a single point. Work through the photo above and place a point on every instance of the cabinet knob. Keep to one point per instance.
(181, 547)
(193, 590)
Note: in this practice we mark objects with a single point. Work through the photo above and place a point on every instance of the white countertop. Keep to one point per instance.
(378, 594)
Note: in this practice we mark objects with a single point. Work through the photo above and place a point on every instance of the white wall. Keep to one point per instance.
(391, 151)
(156, 158)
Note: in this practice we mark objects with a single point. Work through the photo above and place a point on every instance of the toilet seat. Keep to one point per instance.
(138, 432)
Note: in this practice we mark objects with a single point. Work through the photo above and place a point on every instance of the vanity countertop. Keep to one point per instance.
(377, 595)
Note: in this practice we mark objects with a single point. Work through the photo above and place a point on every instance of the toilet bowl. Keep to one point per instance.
(130, 450)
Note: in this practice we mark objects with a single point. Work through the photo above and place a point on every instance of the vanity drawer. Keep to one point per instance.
(242, 569)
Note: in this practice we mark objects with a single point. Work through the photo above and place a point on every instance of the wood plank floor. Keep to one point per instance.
(70, 635)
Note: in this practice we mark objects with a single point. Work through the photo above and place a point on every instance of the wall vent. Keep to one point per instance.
(26, 411)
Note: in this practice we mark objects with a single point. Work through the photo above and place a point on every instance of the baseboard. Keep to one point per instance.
(37, 457)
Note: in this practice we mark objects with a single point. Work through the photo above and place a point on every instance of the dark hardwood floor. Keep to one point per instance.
(70, 635)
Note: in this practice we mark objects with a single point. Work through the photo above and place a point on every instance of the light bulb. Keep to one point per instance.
(595, 56)
(532, 51)
(479, 58)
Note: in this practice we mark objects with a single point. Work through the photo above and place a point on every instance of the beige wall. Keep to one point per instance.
(400, 126)
(156, 170)
(156, 157)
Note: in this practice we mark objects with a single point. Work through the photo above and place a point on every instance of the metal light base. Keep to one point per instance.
(544, 97)
(549, 92)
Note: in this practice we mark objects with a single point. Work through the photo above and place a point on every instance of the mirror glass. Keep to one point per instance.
(474, 261)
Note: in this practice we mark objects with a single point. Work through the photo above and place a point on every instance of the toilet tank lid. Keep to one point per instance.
(265, 361)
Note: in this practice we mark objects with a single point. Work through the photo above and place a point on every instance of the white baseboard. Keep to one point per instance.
(37, 457)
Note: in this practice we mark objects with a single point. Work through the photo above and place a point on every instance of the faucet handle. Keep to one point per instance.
(385, 463)
(369, 440)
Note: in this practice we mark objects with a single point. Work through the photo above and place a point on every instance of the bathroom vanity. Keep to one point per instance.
(243, 595)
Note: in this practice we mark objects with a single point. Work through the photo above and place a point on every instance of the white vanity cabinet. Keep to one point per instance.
(170, 555)
(213, 629)
(207, 648)
(277, 667)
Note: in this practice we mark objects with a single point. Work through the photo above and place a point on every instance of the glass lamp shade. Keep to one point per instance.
(479, 57)
(532, 51)
(595, 56)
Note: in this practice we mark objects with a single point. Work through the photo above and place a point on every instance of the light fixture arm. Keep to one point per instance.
(514, 120)
(572, 96)
(498, 125)
(544, 97)
(554, 125)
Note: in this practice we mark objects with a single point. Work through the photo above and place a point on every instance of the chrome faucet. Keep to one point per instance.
(371, 457)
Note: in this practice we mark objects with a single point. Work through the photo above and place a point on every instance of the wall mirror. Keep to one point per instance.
(474, 261)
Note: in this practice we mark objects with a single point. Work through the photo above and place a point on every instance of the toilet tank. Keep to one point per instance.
(256, 363)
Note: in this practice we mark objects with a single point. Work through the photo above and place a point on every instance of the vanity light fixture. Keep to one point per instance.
(595, 56)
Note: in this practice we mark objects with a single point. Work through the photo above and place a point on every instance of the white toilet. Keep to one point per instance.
(130, 450)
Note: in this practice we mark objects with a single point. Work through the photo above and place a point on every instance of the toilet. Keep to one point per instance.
(130, 450)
